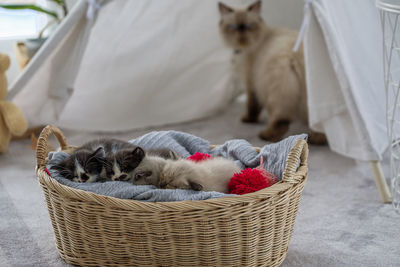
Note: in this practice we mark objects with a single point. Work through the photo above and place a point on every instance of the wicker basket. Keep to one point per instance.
(248, 230)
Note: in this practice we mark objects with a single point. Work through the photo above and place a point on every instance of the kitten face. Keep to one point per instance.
(83, 166)
(144, 176)
(180, 175)
(241, 28)
(119, 167)
(148, 171)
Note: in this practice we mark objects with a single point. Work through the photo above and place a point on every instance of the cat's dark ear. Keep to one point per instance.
(256, 7)
(138, 153)
(99, 153)
(62, 165)
(195, 186)
(173, 155)
(59, 167)
(224, 9)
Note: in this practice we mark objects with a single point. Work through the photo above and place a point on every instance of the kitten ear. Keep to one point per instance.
(256, 7)
(61, 165)
(173, 155)
(224, 9)
(138, 153)
(58, 167)
(99, 153)
(195, 186)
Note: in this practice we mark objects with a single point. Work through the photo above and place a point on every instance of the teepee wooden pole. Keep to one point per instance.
(380, 181)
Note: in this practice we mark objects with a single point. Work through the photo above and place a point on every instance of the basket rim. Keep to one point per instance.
(131, 204)
(293, 175)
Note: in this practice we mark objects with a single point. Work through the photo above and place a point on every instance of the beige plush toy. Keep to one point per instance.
(12, 120)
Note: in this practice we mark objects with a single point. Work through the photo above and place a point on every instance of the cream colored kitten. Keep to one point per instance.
(208, 175)
(272, 73)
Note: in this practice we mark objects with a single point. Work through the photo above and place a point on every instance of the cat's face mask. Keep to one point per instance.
(241, 29)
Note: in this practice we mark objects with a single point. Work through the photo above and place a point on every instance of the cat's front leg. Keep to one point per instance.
(276, 130)
(315, 138)
(253, 107)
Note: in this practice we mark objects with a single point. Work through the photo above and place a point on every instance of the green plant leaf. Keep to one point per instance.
(32, 7)
(60, 2)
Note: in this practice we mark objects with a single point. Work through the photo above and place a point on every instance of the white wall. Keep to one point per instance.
(282, 13)
(287, 13)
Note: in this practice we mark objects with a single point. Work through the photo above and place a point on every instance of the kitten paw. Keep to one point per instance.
(249, 119)
(318, 139)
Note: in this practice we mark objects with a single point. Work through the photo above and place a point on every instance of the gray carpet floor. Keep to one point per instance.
(341, 221)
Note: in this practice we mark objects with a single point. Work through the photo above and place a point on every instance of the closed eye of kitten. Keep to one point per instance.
(142, 175)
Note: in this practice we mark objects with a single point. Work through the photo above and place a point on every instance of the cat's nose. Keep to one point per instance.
(84, 177)
(241, 27)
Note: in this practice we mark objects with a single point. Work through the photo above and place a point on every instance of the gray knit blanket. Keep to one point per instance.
(238, 150)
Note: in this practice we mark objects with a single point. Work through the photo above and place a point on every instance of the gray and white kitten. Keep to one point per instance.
(82, 165)
(101, 160)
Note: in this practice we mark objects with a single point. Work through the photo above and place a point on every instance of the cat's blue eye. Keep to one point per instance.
(250, 25)
(232, 26)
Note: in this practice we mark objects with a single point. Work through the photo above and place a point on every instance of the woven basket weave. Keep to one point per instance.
(248, 230)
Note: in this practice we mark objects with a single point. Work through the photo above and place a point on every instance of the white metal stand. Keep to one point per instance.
(390, 11)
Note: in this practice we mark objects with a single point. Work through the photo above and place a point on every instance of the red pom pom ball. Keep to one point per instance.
(250, 180)
(199, 157)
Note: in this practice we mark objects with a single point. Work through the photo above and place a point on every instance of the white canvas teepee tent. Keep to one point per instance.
(344, 73)
(118, 65)
(343, 55)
